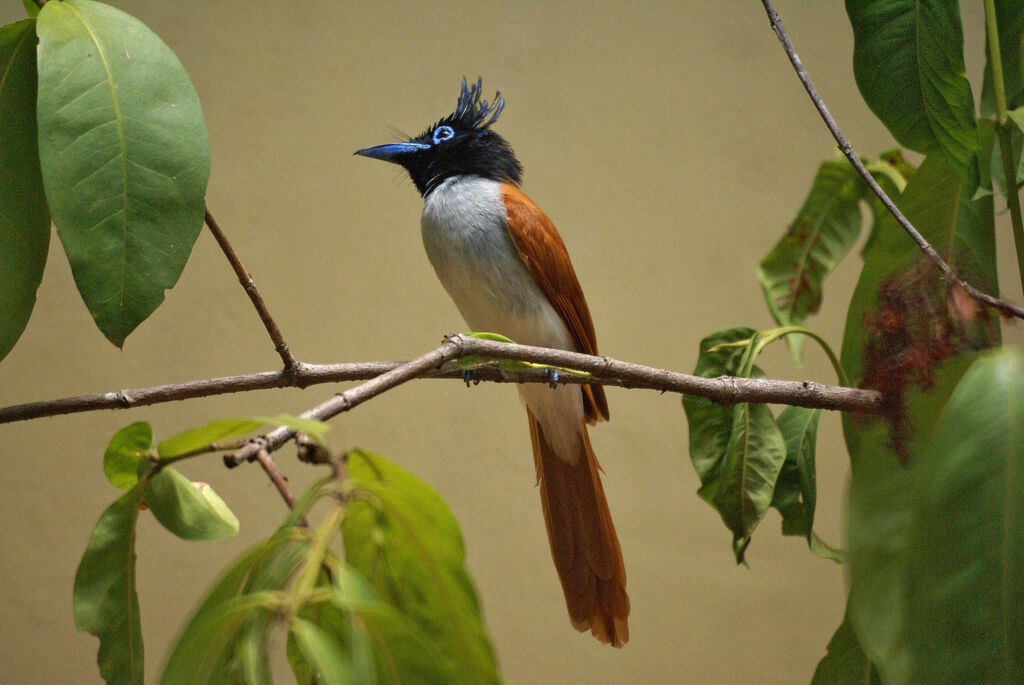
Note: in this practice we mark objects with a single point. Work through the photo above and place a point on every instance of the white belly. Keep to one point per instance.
(465, 233)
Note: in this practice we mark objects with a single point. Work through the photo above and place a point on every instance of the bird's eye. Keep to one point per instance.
(443, 133)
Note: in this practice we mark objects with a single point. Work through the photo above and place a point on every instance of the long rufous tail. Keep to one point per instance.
(583, 541)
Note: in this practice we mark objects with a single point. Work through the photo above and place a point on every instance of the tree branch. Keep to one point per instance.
(245, 278)
(604, 370)
(847, 150)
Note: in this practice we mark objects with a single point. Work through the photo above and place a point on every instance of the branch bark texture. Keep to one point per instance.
(439, 364)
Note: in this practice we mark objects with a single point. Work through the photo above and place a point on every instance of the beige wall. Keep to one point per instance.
(670, 142)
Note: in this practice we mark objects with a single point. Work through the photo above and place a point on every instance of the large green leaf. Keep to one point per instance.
(399, 533)
(24, 217)
(909, 65)
(845, 662)
(105, 600)
(125, 158)
(881, 491)
(965, 580)
(192, 512)
(793, 273)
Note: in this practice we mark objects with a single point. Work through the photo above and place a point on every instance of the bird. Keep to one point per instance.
(503, 263)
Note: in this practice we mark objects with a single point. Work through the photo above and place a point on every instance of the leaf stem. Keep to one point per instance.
(1004, 128)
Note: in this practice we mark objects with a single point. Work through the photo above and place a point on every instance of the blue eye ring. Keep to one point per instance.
(443, 133)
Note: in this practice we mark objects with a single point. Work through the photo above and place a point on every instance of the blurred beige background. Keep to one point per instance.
(670, 142)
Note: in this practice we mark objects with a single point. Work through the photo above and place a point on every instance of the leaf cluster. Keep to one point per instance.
(936, 501)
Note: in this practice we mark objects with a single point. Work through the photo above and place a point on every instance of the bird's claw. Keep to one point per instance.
(469, 377)
(552, 378)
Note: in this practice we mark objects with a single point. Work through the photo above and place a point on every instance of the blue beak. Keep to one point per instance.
(391, 152)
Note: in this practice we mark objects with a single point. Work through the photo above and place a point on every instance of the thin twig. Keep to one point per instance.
(341, 402)
(847, 150)
(606, 371)
(267, 462)
(245, 278)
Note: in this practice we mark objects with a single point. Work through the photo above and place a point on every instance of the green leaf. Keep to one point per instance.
(204, 651)
(125, 452)
(965, 579)
(845, 662)
(192, 512)
(796, 491)
(30, 7)
(892, 173)
(24, 217)
(263, 569)
(793, 273)
(939, 205)
(909, 65)
(881, 491)
(105, 600)
(323, 652)
(125, 158)
(710, 422)
(399, 533)
(738, 450)
(201, 438)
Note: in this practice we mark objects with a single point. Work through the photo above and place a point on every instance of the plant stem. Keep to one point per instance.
(1004, 129)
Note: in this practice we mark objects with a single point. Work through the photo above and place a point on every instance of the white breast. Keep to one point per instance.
(465, 233)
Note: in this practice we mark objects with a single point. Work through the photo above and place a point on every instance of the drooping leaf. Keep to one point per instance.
(399, 533)
(909, 65)
(710, 422)
(845, 662)
(204, 650)
(792, 275)
(264, 569)
(124, 452)
(737, 450)
(189, 511)
(965, 579)
(125, 158)
(323, 652)
(753, 459)
(30, 7)
(796, 491)
(24, 217)
(200, 438)
(105, 600)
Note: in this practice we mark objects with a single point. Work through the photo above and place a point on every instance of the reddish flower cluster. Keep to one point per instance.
(920, 322)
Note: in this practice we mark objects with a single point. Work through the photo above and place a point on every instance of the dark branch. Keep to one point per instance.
(606, 371)
(724, 389)
(245, 278)
(847, 150)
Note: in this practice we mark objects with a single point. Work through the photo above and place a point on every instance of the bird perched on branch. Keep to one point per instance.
(503, 263)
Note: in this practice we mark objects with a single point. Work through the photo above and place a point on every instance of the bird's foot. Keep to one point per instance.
(552, 377)
(469, 377)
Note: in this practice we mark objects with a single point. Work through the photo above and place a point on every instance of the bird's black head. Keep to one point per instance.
(461, 144)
